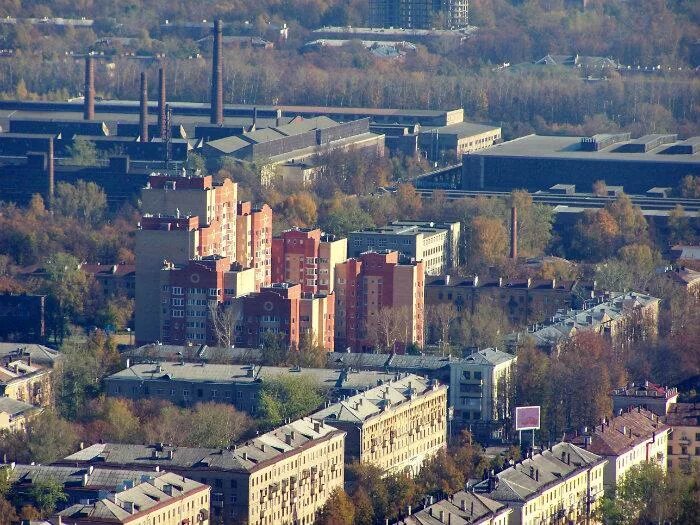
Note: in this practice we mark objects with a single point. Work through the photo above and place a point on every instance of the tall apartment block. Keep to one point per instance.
(419, 14)
(396, 427)
(189, 292)
(254, 241)
(188, 218)
(435, 244)
(307, 257)
(369, 285)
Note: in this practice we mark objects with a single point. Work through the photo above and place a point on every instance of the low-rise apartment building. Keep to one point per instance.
(563, 484)
(460, 508)
(619, 317)
(14, 414)
(281, 477)
(167, 499)
(395, 426)
(434, 244)
(684, 440)
(25, 382)
(655, 398)
(379, 302)
(627, 440)
(307, 257)
(523, 301)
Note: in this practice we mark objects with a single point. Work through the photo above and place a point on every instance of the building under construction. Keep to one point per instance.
(419, 14)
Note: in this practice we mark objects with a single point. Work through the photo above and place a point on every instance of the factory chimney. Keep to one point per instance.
(50, 170)
(514, 233)
(217, 78)
(143, 112)
(89, 106)
(161, 101)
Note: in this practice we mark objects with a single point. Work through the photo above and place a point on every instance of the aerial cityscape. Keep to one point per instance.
(350, 262)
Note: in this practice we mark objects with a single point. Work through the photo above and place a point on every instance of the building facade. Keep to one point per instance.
(684, 440)
(307, 257)
(455, 140)
(627, 440)
(23, 381)
(379, 302)
(254, 241)
(22, 317)
(434, 244)
(655, 398)
(563, 484)
(396, 426)
(419, 14)
(14, 414)
(281, 477)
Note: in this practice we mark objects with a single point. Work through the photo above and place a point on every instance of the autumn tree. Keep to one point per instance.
(484, 327)
(600, 189)
(85, 201)
(487, 240)
(439, 318)
(441, 475)
(408, 201)
(310, 352)
(46, 438)
(300, 209)
(338, 509)
(632, 269)
(388, 326)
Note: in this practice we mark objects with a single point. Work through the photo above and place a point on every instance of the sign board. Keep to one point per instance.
(527, 418)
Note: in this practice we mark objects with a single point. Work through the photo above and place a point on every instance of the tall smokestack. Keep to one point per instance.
(217, 77)
(89, 107)
(51, 177)
(143, 113)
(161, 101)
(514, 233)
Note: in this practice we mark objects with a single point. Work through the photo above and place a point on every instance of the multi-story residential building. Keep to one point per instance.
(396, 426)
(619, 317)
(655, 398)
(460, 508)
(307, 257)
(435, 244)
(24, 381)
(187, 384)
(113, 279)
(379, 301)
(167, 499)
(281, 477)
(563, 484)
(419, 14)
(22, 317)
(687, 279)
(523, 301)
(626, 440)
(192, 294)
(15, 414)
(684, 440)
(254, 241)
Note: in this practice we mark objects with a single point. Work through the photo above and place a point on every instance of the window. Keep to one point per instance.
(477, 375)
(177, 290)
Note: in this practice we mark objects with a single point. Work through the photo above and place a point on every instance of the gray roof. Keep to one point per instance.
(408, 228)
(144, 496)
(13, 407)
(542, 146)
(415, 363)
(40, 354)
(529, 477)
(243, 458)
(361, 407)
(103, 478)
(242, 374)
(461, 508)
(461, 129)
(488, 356)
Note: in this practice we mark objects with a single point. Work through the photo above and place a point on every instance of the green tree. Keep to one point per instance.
(274, 349)
(216, 425)
(83, 200)
(83, 153)
(45, 496)
(288, 397)
(309, 354)
(49, 438)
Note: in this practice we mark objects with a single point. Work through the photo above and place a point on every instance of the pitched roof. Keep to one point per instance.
(461, 508)
(40, 354)
(13, 407)
(683, 415)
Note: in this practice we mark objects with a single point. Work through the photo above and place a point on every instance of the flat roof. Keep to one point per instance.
(541, 146)
(463, 129)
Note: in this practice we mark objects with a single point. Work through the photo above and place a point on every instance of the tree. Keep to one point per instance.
(288, 397)
(440, 318)
(338, 509)
(83, 153)
(389, 326)
(45, 496)
(600, 189)
(409, 202)
(679, 226)
(633, 269)
(216, 425)
(483, 328)
(689, 187)
(441, 475)
(83, 200)
(487, 239)
(49, 438)
(8, 515)
(274, 349)
(300, 209)
(310, 353)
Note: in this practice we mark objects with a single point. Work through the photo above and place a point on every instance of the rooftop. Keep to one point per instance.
(246, 457)
(462, 129)
(361, 407)
(529, 477)
(409, 228)
(13, 407)
(683, 415)
(72, 476)
(460, 508)
(478, 282)
(40, 354)
(571, 148)
(622, 433)
(646, 389)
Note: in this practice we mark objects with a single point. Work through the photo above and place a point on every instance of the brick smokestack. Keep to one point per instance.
(143, 113)
(217, 77)
(89, 107)
(50, 173)
(161, 101)
(514, 233)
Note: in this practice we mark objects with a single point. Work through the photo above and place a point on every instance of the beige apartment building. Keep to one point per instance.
(563, 484)
(164, 499)
(684, 440)
(434, 244)
(26, 382)
(462, 507)
(627, 440)
(395, 426)
(14, 414)
(282, 477)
